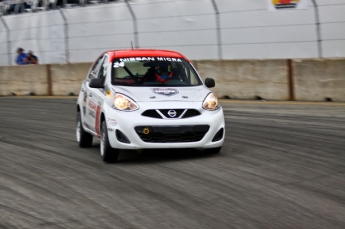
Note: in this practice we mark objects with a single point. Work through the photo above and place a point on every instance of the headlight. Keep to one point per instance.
(123, 103)
(210, 103)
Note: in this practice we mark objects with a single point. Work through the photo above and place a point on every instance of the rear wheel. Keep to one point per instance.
(84, 139)
(213, 150)
(108, 153)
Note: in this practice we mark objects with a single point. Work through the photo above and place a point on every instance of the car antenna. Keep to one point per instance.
(132, 44)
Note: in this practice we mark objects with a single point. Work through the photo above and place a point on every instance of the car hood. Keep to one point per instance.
(159, 94)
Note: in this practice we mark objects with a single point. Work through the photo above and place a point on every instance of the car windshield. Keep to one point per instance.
(154, 71)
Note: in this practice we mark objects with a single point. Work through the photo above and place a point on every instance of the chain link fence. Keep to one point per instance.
(62, 32)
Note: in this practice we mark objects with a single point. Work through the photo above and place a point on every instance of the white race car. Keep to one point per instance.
(145, 99)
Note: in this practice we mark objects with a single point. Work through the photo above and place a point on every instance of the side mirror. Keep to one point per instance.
(209, 82)
(96, 83)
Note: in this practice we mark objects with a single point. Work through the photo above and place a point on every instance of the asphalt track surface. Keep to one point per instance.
(282, 166)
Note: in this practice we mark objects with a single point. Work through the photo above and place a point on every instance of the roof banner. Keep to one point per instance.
(282, 5)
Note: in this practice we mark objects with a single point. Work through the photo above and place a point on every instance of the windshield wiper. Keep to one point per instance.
(131, 74)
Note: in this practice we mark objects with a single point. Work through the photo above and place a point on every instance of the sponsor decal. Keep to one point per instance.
(97, 120)
(119, 64)
(92, 113)
(165, 91)
(275, 5)
(92, 105)
(279, 4)
(147, 59)
(129, 59)
(112, 121)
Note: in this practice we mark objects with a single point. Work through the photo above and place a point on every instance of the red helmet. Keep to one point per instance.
(163, 73)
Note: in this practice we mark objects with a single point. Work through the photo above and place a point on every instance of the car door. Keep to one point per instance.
(92, 101)
(96, 96)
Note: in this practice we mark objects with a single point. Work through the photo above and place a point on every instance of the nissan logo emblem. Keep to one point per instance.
(172, 113)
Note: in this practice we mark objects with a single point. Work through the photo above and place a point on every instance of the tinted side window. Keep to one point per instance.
(103, 68)
(95, 67)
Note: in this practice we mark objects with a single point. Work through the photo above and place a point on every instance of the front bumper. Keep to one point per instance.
(185, 133)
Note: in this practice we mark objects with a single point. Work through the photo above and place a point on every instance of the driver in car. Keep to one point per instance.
(160, 73)
(163, 73)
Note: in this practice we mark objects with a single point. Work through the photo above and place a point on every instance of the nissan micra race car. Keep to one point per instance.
(147, 99)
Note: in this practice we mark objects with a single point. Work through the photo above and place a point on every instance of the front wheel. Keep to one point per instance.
(213, 150)
(84, 139)
(108, 153)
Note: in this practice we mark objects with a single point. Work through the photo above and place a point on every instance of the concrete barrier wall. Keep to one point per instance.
(319, 79)
(311, 79)
(55, 79)
(23, 80)
(67, 78)
(249, 79)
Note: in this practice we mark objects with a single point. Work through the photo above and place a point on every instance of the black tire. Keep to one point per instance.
(213, 150)
(84, 139)
(108, 153)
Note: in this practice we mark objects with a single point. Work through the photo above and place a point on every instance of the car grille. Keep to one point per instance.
(167, 134)
(151, 114)
(185, 113)
(177, 112)
(191, 113)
